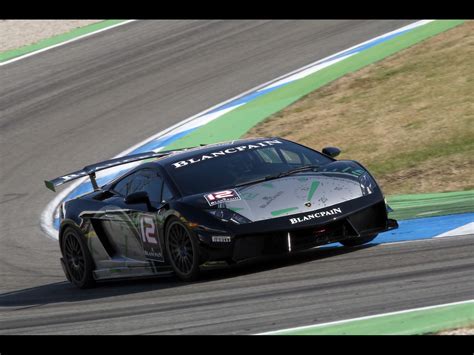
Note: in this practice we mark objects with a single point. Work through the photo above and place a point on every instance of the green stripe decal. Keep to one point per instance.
(312, 189)
(236, 123)
(283, 211)
(411, 322)
(10, 54)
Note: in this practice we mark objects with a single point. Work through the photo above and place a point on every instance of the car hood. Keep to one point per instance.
(298, 193)
(294, 194)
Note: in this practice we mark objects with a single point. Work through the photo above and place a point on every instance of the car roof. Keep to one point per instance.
(188, 153)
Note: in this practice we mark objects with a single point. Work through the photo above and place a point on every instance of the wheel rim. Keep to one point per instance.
(181, 248)
(74, 257)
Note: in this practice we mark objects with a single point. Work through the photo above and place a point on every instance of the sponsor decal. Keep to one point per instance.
(269, 199)
(221, 239)
(225, 152)
(323, 199)
(66, 178)
(150, 239)
(316, 215)
(221, 196)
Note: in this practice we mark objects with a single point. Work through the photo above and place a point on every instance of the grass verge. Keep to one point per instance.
(56, 39)
(408, 118)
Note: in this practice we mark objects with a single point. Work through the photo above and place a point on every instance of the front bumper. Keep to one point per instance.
(364, 222)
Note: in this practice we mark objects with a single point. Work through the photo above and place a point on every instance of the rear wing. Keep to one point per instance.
(92, 169)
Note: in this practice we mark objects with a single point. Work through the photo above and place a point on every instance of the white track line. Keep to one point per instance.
(466, 229)
(63, 43)
(364, 318)
(268, 83)
(46, 220)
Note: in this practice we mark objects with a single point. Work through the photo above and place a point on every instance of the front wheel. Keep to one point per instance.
(353, 242)
(77, 258)
(182, 249)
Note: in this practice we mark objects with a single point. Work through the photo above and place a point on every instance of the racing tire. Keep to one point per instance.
(77, 258)
(354, 242)
(182, 250)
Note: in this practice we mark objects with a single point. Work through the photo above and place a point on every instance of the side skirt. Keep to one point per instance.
(128, 272)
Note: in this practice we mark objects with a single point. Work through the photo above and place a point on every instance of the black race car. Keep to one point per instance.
(216, 204)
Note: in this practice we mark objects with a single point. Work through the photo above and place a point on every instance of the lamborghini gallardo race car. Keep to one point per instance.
(185, 210)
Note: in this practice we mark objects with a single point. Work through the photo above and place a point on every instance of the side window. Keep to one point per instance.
(152, 183)
(124, 186)
(143, 180)
(167, 194)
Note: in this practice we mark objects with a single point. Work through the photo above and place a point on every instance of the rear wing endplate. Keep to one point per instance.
(90, 170)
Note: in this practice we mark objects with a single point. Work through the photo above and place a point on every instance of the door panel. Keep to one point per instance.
(133, 230)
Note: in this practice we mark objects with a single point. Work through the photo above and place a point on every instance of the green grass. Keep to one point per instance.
(409, 117)
(431, 205)
(441, 150)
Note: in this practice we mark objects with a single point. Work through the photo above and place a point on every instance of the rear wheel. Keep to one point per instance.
(182, 250)
(77, 258)
(358, 241)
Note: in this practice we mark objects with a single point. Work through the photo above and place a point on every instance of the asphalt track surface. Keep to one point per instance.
(91, 99)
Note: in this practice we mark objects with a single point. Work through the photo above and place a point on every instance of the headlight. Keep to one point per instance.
(367, 184)
(227, 215)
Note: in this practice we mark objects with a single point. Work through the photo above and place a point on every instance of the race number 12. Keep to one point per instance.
(148, 230)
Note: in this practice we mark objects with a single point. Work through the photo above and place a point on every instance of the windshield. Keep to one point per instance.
(238, 165)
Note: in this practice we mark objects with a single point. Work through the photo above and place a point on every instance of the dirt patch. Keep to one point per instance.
(459, 331)
(409, 118)
(18, 33)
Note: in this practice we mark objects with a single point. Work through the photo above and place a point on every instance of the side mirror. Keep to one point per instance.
(138, 197)
(331, 151)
